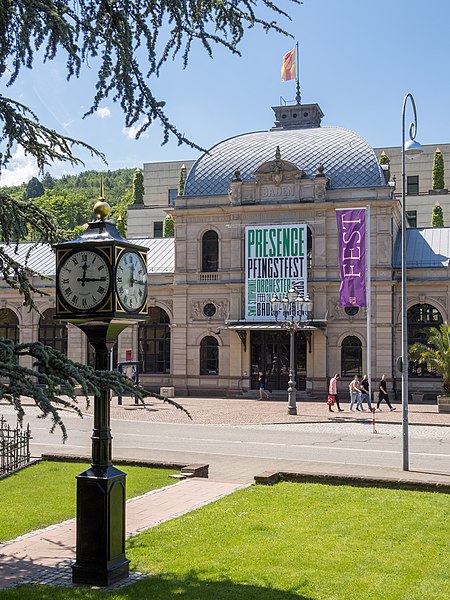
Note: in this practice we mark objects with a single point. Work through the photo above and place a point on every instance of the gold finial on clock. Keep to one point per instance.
(101, 208)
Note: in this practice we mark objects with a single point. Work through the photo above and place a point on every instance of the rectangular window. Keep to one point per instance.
(411, 218)
(158, 229)
(412, 184)
(172, 195)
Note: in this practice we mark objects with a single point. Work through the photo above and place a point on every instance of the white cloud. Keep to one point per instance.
(131, 132)
(21, 168)
(103, 112)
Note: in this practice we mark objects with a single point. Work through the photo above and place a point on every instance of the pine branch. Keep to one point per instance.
(53, 379)
(21, 126)
(21, 219)
(130, 41)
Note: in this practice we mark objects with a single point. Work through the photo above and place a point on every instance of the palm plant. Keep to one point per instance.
(435, 353)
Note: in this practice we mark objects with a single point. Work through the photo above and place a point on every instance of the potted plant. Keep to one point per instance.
(436, 353)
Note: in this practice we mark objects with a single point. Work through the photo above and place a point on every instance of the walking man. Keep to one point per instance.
(355, 394)
(332, 391)
(365, 392)
(383, 395)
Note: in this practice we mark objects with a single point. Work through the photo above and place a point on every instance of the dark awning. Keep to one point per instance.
(250, 325)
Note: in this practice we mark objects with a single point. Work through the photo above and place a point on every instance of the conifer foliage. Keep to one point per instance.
(437, 217)
(138, 187)
(52, 380)
(169, 226)
(437, 172)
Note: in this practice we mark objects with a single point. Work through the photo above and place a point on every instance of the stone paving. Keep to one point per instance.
(251, 411)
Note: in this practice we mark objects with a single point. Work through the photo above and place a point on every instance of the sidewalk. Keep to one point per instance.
(252, 411)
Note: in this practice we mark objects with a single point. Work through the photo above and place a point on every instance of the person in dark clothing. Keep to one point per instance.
(365, 392)
(383, 395)
(262, 385)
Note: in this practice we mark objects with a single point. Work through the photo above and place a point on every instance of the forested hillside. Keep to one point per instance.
(71, 198)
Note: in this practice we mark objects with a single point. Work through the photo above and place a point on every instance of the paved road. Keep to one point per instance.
(258, 446)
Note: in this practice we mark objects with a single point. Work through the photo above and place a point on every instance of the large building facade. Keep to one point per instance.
(201, 338)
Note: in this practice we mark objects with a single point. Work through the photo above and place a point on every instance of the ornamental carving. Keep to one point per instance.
(168, 304)
(334, 310)
(220, 312)
(278, 171)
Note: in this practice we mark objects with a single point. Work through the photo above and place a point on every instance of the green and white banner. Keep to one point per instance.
(275, 261)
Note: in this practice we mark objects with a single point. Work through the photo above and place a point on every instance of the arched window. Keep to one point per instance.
(209, 356)
(52, 333)
(154, 341)
(420, 318)
(351, 356)
(9, 325)
(210, 252)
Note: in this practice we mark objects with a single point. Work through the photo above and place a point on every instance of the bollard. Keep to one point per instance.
(373, 420)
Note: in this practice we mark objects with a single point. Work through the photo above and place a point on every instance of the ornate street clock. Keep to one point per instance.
(101, 287)
(100, 274)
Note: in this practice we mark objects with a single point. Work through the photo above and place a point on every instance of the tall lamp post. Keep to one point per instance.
(410, 148)
(293, 312)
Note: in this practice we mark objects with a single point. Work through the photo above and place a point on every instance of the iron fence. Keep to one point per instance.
(14, 447)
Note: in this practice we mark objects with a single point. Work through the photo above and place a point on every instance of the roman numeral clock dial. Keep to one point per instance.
(131, 281)
(84, 280)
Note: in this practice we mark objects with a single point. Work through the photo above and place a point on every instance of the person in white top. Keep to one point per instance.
(355, 394)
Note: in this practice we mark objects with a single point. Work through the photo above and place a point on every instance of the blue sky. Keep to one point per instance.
(357, 60)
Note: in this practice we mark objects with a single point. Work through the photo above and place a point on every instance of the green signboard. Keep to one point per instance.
(275, 262)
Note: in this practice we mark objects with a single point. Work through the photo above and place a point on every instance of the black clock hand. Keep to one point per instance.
(84, 279)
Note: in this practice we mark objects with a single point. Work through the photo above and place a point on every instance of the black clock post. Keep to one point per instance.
(101, 287)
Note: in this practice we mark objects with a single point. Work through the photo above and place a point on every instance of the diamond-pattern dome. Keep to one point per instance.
(348, 160)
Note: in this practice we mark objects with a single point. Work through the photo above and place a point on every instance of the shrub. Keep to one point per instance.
(437, 216)
(169, 227)
(437, 174)
(138, 187)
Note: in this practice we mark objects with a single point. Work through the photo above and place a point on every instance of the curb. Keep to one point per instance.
(273, 477)
(187, 470)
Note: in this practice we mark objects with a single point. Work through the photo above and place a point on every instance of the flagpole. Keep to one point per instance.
(369, 303)
(298, 97)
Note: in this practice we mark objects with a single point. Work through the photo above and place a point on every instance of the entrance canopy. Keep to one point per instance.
(244, 325)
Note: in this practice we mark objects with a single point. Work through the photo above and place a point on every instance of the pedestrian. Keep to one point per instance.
(355, 394)
(365, 391)
(332, 391)
(383, 395)
(262, 385)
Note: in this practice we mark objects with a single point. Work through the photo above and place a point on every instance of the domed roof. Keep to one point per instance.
(348, 160)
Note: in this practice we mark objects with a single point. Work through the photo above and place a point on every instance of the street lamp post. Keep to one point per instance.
(295, 313)
(411, 148)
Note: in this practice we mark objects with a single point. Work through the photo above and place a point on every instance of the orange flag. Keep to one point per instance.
(288, 70)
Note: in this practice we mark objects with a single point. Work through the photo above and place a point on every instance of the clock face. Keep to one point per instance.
(84, 280)
(131, 281)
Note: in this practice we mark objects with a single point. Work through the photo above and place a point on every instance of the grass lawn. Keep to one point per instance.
(291, 542)
(45, 493)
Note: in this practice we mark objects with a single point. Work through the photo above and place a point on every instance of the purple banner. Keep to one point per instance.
(351, 225)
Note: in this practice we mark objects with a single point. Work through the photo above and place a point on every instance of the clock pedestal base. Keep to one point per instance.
(101, 556)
